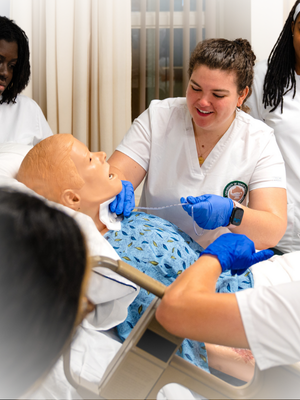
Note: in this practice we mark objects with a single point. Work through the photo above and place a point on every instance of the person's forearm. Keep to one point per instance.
(264, 228)
(126, 168)
(191, 308)
(117, 171)
(236, 362)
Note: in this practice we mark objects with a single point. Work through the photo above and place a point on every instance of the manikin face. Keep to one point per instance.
(212, 99)
(296, 42)
(8, 60)
(100, 185)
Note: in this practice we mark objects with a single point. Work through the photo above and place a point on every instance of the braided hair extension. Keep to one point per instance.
(280, 76)
(11, 32)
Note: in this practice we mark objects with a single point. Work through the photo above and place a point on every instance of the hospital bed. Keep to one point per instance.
(147, 361)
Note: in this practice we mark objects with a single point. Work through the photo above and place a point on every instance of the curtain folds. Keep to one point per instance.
(81, 66)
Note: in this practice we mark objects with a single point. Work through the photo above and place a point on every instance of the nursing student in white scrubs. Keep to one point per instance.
(206, 144)
(265, 318)
(276, 101)
(21, 119)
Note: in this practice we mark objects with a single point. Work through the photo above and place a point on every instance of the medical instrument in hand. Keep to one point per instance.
(212, 211)
(173, 205)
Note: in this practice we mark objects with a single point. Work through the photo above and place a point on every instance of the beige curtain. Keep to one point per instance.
(81, 66)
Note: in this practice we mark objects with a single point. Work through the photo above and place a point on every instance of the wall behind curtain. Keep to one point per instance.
(81, 66)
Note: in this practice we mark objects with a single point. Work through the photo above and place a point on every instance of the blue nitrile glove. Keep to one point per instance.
(124, 202)
(236, 252)
(210, 211)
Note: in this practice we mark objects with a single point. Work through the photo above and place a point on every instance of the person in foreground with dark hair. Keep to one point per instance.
(276, 101)
(43, 279)
(21, 119)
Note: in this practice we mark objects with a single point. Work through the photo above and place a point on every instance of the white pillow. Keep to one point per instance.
(111, 292)
(11, 156)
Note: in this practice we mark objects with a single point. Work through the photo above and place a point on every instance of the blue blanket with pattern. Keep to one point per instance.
(161, 250)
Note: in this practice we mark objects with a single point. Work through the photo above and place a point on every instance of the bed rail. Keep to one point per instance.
(146, 362)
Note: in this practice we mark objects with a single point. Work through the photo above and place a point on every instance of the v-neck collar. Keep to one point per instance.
(215, 153)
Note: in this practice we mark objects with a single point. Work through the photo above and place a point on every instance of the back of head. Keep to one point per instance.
(226, 55)
(11, 32)
(43, 262)
(48, 169)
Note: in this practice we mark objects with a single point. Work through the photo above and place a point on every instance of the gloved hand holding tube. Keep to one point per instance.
(124, 202)
(210, 211)
(236, 252)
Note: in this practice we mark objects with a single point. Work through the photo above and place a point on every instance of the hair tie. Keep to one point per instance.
(297, 11)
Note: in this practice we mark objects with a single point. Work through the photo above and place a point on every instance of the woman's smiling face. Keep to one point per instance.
(212, 99)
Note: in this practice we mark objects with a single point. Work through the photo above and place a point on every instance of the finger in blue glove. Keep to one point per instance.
(210, 211)
(124, 202)
(236, 252)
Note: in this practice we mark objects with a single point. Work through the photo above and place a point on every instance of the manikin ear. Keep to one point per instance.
(242, 96)
(70, 199)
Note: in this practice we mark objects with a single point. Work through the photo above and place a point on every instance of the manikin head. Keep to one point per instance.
(62, 169)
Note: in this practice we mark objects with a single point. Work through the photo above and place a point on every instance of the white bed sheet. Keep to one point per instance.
(91, 353)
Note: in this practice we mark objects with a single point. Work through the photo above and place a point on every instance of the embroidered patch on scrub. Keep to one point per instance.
(236, 191)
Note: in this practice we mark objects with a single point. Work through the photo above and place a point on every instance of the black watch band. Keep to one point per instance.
(236, 216)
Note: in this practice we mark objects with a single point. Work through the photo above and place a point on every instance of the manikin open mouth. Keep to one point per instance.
(110, 176)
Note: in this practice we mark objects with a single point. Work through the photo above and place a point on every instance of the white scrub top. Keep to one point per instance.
(271, 318)
(23, 122)
(271, 313)
(286, 127)
(162, 141)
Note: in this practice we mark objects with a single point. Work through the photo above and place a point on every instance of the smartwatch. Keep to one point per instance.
(236, 215)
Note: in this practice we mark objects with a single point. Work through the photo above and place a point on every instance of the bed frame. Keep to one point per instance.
(146, 362)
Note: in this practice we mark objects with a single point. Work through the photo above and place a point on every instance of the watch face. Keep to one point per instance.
(237, 216)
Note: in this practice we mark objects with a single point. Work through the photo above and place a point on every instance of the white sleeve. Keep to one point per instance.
(255, 100)
(271, 318)
(136, 144)
(270, 169)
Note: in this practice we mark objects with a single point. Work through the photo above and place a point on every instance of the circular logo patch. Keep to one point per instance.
(236, 191)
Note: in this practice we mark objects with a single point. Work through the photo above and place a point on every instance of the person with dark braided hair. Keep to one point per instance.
(276, 101)
(206, 145)
(21, 119)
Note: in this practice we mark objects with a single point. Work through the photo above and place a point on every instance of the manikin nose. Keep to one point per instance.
(101, 155)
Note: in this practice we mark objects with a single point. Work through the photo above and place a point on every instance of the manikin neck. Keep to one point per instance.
(94, 214)
(104, 219)
(99, 225)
